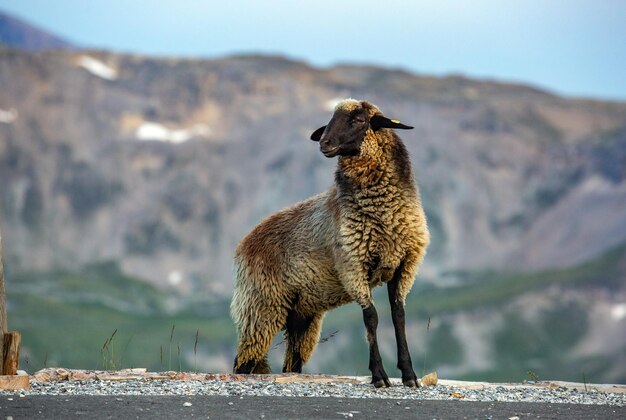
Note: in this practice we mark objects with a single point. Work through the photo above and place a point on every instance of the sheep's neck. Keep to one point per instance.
(371, 168)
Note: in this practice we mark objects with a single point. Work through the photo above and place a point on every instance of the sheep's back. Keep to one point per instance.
(287, 259)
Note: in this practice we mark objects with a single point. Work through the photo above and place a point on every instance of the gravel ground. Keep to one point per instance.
(467, 391)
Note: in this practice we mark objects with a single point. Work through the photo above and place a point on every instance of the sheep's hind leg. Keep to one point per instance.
(252, 366)
(255, 341)
(302, 334)
(379, 376)
(397, 314)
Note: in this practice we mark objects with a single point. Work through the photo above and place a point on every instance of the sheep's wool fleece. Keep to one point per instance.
(335, 247)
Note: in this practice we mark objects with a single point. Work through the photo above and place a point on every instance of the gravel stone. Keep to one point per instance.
(312, 389)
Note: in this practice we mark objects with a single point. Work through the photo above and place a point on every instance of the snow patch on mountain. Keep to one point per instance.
(97, 67)
(618, 311)
(152, 131)
(9, 116)
(175, 277)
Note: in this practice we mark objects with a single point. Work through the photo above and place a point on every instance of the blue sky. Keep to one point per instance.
(572, 47)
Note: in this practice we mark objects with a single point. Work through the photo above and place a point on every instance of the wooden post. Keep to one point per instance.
(3, 308)
(9, 345)
(11, 353)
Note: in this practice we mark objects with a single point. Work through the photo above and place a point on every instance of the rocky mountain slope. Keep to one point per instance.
(161, 165)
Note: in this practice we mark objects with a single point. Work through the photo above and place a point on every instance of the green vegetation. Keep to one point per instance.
(67, 319)
(100, 318)
(446, 347)
(523, 346)
(496, 288)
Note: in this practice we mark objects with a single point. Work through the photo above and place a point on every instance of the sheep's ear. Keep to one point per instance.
(378, 121)
(317, 134)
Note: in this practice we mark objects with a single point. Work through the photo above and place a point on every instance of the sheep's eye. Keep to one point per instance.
(358, 120)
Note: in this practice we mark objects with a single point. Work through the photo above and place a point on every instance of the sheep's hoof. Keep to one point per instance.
(411, 383)
(382, 383)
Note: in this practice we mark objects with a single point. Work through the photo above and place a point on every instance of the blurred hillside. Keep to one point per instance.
(126, 182)
(162, 165)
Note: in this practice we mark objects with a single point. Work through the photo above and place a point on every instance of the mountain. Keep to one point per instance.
(162, 165)
(19, 34)
(127, 181)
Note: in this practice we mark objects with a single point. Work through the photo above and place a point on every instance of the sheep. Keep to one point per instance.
(368, 229)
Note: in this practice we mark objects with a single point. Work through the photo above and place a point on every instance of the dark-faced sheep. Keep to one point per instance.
(367, 230)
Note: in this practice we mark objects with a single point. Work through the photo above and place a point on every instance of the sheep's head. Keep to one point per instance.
(348, 127)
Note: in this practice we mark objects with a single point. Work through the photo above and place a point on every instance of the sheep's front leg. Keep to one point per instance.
(356, 285)
(397, 315)
(379, 376)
